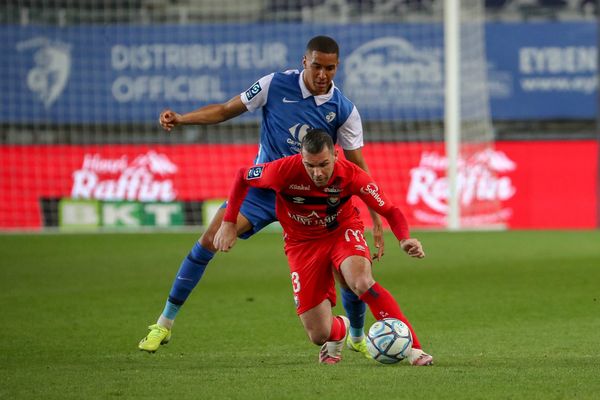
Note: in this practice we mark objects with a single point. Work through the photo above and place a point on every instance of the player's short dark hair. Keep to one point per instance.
(323, 44)
(316, 140)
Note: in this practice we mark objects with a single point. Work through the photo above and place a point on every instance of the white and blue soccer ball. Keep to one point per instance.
(389, 341)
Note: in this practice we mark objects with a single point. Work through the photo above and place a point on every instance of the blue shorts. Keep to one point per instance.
(259, 208)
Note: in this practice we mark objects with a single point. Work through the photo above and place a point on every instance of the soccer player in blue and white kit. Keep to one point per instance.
(292, 102)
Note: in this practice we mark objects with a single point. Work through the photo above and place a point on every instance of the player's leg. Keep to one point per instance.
(314, 294)
(355, 311)
(193, 266)
(351, 256)
(356, 270)
(326, 330)
(189, 274)
(258, 210)
(318, 324)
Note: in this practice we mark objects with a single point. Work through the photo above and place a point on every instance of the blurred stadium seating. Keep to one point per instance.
(70, 11)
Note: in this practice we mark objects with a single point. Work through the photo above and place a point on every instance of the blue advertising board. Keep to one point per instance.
(115, 74)
(542, 70)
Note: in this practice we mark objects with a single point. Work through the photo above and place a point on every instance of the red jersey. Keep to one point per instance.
(307, 211)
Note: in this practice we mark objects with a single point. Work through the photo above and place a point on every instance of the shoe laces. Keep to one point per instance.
(157, 331)
(333, 349)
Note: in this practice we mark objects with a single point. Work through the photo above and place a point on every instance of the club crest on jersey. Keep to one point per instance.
(330, 117)
(333, 200)
(255, 172)
(253, 91)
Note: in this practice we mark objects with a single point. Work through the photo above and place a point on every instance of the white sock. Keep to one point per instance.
(357, 339)
(165, 322)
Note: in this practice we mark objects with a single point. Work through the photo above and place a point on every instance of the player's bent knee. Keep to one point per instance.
(361, 285)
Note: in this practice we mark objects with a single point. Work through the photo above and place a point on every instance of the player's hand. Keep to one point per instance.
(379, 242)
(225, 237)
(412, 247)
(169, 119)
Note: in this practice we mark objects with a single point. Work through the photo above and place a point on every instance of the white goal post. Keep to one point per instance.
(452, 106)
(467, 123)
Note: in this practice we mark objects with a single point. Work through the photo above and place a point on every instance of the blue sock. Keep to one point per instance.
(189, 274)
(355, 310)
(170, 310)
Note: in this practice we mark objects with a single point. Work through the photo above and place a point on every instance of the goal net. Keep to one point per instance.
(83, 84)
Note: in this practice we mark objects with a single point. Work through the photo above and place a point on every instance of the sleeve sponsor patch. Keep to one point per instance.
(253, 91)
(255, 172)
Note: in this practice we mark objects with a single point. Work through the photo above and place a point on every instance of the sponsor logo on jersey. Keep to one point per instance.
(297, 133)
(330, 117)
(294, 186)
(373, 190)
(286, 100)
(354, 235)
(253, 91)
(255, 172)
(314, 219)
(332, 189)
(359, 247)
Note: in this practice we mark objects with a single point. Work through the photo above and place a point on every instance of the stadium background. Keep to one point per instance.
(506, 314)
(82, 85)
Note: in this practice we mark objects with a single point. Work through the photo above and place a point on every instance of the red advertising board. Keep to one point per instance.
(517, 184)
(557, 184)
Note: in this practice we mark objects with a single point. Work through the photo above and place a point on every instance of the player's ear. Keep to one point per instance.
(304, 61)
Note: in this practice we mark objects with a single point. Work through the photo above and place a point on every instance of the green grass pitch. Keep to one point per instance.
(507, 315)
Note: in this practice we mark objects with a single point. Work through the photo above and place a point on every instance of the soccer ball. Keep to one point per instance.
(389, 341)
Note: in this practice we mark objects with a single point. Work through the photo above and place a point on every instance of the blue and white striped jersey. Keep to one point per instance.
(289, 110)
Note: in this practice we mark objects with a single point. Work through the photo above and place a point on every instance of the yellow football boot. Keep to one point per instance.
(359, 347)
(157, 336)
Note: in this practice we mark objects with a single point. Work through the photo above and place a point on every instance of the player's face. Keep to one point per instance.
(319, 166)
(319, 70)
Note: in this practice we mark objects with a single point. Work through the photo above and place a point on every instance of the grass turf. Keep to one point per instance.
(506, 315)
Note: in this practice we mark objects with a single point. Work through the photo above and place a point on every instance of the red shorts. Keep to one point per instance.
(311, 262)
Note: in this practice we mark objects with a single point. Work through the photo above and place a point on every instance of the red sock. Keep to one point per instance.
(382, 305)
(338, 329)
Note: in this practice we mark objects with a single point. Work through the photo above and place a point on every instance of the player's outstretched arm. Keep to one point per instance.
(412, 247)
(226, 236)
(207, 115)
(356, 157)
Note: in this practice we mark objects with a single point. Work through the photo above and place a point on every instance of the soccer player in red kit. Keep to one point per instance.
(322, 230)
